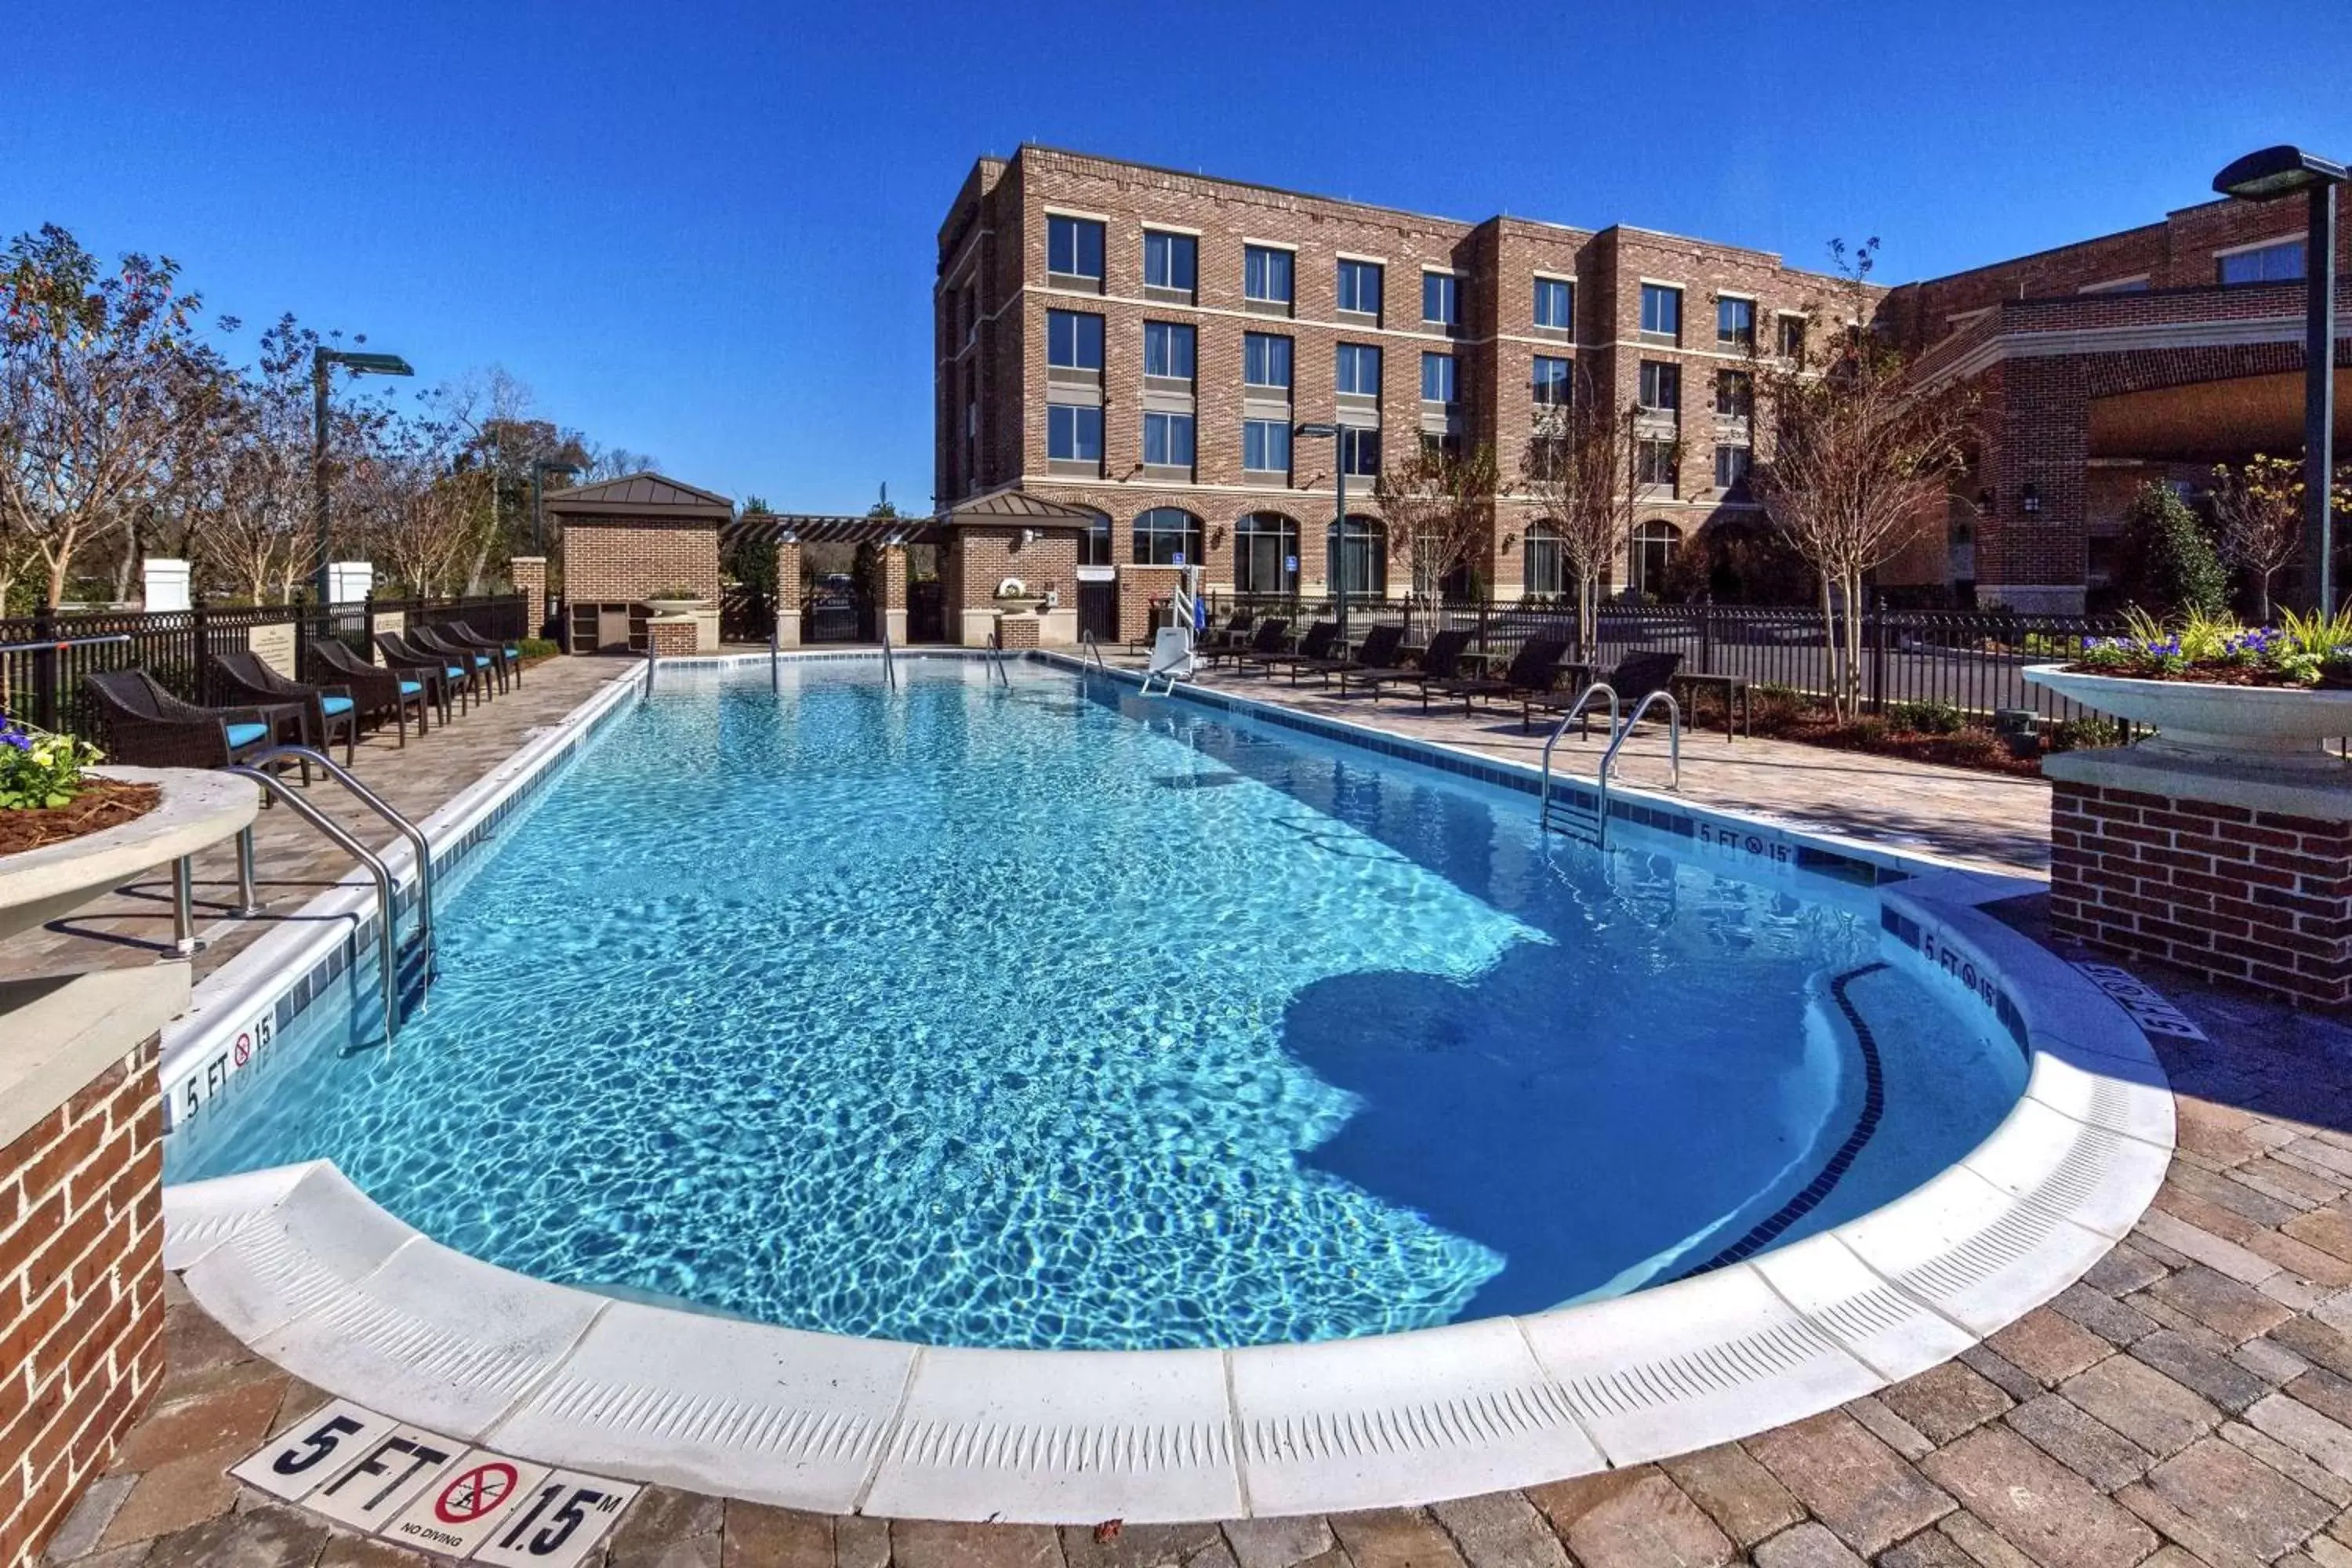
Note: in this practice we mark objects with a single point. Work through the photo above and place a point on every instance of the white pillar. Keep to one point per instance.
(165, 585)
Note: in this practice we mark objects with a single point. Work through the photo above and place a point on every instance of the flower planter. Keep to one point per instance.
(675, 606)
(2269, 727)
(198, 810)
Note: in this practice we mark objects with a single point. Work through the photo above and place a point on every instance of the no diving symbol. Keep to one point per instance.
(244, 1049)
(474, 1493)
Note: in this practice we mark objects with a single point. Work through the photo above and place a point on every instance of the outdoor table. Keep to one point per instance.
(1737, 703)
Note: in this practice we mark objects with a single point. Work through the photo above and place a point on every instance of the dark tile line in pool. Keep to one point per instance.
(1874, 1110)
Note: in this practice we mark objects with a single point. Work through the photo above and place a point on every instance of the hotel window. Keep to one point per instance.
(1555, 305)
(1167, 350)
(1074, 341)
(1359, 452)
(1655, 544)
(1654, 463)
(2278, 263)
(1073, 252)
(1167, 440)
(1167, 536)
(1437, 378)
(1550, 385)
(1265, 445)
(1661, 387)
(1266, 359)
(1661, 312)
(1441, 298)
(1266, 275)
(1073, 433)
(1359, 370)
(1094, 545)
(1731, 467)
(1735, 393)
(1792, 336)
(1171, 263)
(1735, 324)
(1360, 287)
(1360, 556)
(1543, 564)
(1265, 554)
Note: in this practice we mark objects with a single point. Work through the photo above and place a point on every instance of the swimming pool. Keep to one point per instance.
(1053, 1018)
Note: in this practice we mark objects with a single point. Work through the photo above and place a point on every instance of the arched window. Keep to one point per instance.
(1094, 545)
(1359, 557)
(1655, 544)
(1543, 563)
(1167, 536)
(1265, 554)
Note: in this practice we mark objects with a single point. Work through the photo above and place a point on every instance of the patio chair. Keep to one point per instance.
(485, 671)
(509, 656)
(1637, 675)
(1268, 638)
(1439, 659)
(327, 710)
(1533, 670)
(448, 681)
(145, 726)
(1378, 651)
(1233, 634)
(376, 692)
(1314, 647)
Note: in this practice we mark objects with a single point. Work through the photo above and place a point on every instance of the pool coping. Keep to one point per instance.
(305, 1269)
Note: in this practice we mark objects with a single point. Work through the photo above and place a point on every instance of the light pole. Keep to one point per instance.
(322, 360)
(2263, 176)
(1338, 565)
(544, 466)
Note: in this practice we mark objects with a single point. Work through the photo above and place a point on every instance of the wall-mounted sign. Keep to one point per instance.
(273, 644)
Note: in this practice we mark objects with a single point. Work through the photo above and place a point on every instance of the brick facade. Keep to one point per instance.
(530, 573)
(617, 561)
(674, 637)
(993, 294)
(81, 1292)
(789, 589)
(2236, 894)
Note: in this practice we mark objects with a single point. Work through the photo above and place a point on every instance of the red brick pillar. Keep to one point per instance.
(674, 637)
(788, 593)
(530, 573)
(890, 590)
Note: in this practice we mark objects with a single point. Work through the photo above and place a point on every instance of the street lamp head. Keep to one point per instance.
(548, 466)
(366, 363)
(2277, 171)
(1315, 430)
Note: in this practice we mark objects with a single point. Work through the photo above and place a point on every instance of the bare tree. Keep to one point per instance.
(2260, 507)
(618, 462)
(90, 365)
(420, 513)
(1579, 468)
(1863, 458)
(1440, 501)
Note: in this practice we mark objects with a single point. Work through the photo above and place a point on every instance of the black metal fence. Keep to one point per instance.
(1974, 661)
(43, 684)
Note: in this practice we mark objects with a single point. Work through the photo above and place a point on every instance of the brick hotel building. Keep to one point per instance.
(1134, 345)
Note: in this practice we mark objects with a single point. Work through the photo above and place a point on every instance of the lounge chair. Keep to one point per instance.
(1314, 648)
(509, 656)
(1532, 671)
(485, 671)
(1378, 651)
(141, 724)
(1268, 639)
(327, 710)
(1438, 659)
(1233, 634)
(1637, 675)
(376, 692)
(443, 682)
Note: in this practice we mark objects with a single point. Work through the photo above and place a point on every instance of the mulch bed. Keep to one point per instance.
(1967, 749)
(105, 803)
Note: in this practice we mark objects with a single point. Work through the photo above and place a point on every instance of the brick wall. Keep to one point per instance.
(2241, 895)
(990, 555)
(1138, 586)
(530, 573)
(81, 1292)
(621, 562)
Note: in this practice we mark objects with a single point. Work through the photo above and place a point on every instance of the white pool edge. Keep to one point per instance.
(307, 1270)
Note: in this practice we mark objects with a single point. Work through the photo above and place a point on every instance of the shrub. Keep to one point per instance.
(2170, 566)
(2084, 734)
(40, 770)
(1970, 745)
(536, 648)
(1933, 718)
(1868, 732)
(1776, 705)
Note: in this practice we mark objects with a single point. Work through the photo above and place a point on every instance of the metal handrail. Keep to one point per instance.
(382, 807)
(1673, 743)
(653, 657)
(775, 643)
(889, 666)
(387, 953)
(996, 659)
(1091, 648)
(1575, 712)
(50, 645)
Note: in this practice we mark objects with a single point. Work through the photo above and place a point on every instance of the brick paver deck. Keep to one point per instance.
(2189, 1401)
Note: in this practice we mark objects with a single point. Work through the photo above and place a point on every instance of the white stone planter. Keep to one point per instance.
(2269, 727)
(674, 606)
(198, 810)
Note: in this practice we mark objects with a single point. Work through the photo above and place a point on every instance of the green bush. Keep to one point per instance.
(536, 648)
(1970, 745)
(38, 770)
(2082, 735)
(2170, 566)
(1869, 730)
(1933, 718)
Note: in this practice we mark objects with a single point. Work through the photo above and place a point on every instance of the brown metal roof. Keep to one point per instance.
(1018, 506)
(647, 495)
(1005, 507)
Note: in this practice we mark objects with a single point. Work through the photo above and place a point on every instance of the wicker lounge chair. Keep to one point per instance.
(1314, 647)
(1439, 659)
(140, 723)
(1636, 675)
(1233, 634)
(1268, 638)
(376, 692)
(509, 656)
(1378, 651)
(445, 681)
(485, 671)
(1533, 670)
(327, 710)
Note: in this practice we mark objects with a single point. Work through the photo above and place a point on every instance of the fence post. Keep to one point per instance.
(1706, 636)
(1876, 620)
(45, 667)
(200, 678)
(1482, 626)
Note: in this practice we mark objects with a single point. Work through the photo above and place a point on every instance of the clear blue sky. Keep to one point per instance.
(705, 230)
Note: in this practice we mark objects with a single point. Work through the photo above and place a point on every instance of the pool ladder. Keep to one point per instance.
(997, 670)
(1572, 813)
(404, 972)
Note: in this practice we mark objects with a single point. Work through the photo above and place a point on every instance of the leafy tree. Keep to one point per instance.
(1579, 468)
(1440, 500)
(2170, 566)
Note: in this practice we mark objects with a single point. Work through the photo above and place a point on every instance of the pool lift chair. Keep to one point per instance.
(1173, 658)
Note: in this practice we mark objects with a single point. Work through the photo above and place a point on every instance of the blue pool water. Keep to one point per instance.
(1044, 1017)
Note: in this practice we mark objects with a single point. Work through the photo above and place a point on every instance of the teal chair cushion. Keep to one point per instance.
(246, 734)
(481, 659)
(513, 652)
(455, 673)
(334, 705)
(411, 688)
